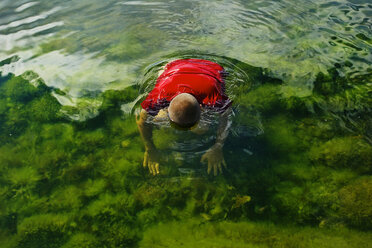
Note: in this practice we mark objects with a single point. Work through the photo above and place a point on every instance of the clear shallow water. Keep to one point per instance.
(295, 40)
(299, 151)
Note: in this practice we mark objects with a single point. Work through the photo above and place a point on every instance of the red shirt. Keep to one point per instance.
(201, 78)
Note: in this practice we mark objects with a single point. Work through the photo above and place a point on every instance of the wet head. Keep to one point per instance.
(184, 110)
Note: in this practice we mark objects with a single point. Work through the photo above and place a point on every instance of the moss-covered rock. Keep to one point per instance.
(82, 240)
(112, 99)
(330, 83)
(22, 180)
(68, 198)
(133, 44)
(19, 89)
(94, 188)
(344, 152)
(280, 133)
(25, 99)
(356, 204)
(265, 98)
(46, 230)
(123, 128)
(248, 234)
(44, 109)
(65, 44)
(163, 138)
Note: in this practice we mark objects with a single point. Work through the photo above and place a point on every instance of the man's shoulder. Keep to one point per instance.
(199, 63)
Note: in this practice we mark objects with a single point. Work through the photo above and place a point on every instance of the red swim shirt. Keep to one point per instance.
(201, 78)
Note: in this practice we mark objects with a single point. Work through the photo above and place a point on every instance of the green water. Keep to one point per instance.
(299, 152)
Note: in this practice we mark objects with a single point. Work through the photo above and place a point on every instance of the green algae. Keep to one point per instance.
(350, 152)
(46, 230)
(118, 46)
(163, 138)
(82, 240)
(81, 183)
(133, 44)
(264, 98)
(248, 234)
(353, 203)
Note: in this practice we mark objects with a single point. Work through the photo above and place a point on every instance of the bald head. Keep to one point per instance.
(184, 110)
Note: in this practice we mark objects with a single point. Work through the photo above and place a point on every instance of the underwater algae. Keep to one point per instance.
(306, 182)
(194, 233)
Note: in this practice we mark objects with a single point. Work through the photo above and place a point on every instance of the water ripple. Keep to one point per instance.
(295, 40)
(30, 19)
(25, 6)
(140, 3)
(12, 40)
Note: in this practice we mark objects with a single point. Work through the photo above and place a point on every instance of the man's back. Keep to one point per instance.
(201, 78)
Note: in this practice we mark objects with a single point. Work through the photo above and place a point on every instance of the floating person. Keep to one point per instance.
(183, 90)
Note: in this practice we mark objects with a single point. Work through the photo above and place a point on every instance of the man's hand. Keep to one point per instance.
(150, 160)
(215, 159)
(151, 157)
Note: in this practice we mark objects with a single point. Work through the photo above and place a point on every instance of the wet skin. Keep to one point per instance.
(213, 156)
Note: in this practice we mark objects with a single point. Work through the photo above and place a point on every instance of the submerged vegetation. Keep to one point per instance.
(66, 183)
(249, 234)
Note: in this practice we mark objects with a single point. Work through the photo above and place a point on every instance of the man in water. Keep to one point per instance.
(184, 89)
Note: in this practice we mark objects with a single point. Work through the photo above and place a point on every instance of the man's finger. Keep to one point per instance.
(209, 167)
(224, 163)
(145, 159)
(220, 167)
(153, 168)
(215, 170)
(157, 168)
(203, 158)
(150, 167)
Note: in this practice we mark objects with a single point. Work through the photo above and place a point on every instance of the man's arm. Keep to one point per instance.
(145, 130)
(151, 157)
(223, 128)
(214, 155)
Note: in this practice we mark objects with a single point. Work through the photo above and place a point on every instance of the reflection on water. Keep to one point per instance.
(72, 76)
(295, 40)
